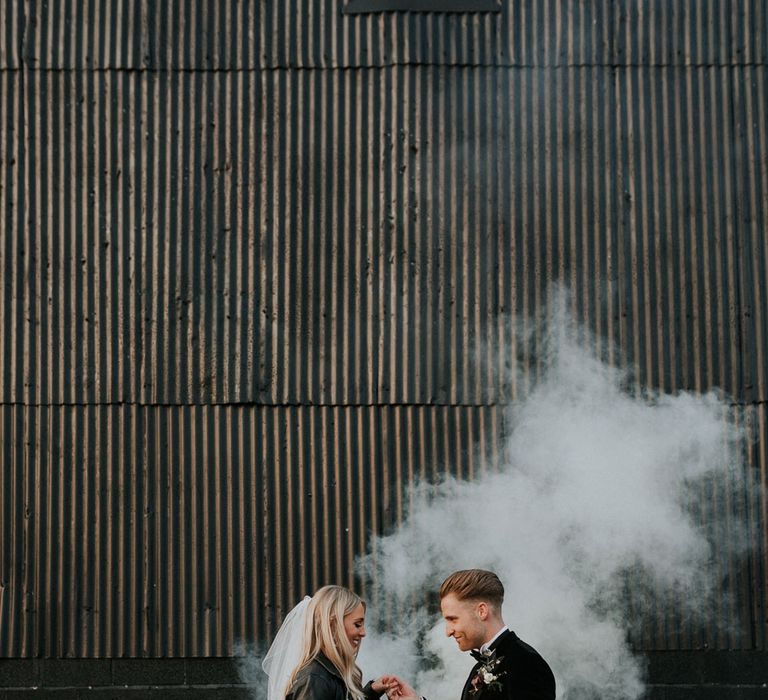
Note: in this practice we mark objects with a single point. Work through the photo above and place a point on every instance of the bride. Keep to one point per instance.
(313, 655)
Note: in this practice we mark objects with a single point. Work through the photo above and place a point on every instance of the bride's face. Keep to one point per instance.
(354, 626)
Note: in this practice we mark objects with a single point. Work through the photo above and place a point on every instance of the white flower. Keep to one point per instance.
(488, 677)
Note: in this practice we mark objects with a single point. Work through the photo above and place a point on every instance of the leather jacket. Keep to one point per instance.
(319, 680)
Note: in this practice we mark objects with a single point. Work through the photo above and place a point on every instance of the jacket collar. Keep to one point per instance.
(325, 662)
(492, 644)
(505, 633)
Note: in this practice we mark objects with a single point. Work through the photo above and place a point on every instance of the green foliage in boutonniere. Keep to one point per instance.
(488, 674)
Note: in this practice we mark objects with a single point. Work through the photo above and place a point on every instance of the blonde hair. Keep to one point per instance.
(474, 584)
(324, 632)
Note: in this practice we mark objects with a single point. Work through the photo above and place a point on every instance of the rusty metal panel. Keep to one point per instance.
(85, 34)
(756, 422)
(11, 233)
(177, 531)
(172, 258)
(751, 172)
(749, 28)
(293, 237)
(229, 35)
(11, 34)
(145, 34)
(679, 241)
(664, 33)
(235, 36)
(119, 277)
(558, 33)
(189, 218)
(730, 512)
(618, 184)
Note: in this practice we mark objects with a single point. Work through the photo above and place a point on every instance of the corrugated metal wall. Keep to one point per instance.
(250, 251)
(174, 530)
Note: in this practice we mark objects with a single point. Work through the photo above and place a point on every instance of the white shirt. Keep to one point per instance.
(498, 634)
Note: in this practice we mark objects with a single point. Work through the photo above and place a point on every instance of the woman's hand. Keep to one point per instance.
(396, 688)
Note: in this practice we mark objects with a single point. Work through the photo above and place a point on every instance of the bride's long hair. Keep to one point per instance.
(324, 632)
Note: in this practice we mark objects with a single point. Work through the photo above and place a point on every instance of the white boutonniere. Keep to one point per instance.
(487, 675)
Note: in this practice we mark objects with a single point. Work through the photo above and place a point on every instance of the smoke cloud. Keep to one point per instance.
(248, 660)
(595, 510)
(600, 511)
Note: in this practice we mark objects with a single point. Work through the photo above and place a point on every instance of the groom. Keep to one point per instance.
(506, 668)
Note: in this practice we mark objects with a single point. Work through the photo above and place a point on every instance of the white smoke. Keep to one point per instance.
(247, 659)
(593, 498)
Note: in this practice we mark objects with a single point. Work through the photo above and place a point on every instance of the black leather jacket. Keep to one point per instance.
(319, 680)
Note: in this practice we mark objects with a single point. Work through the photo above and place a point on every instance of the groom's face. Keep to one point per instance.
(463, 622)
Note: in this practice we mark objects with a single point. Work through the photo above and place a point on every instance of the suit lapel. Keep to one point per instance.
(467, 686)
(465, 694)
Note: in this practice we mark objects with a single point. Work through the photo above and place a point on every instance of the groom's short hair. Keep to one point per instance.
(474, 584)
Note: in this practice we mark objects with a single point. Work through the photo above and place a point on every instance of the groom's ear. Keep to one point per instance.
(483, 611)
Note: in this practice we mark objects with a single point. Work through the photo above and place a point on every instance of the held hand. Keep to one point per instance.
(400, 690)
(385, 684)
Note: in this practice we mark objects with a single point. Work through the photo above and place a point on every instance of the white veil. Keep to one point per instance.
(283, 656)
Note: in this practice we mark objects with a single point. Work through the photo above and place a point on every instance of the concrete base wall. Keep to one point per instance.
(707, 675)
(122, 679)
(688, 675)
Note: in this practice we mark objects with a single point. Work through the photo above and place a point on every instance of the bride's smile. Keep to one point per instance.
(354, 625)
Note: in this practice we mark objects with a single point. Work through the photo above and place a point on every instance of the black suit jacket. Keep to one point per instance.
(522, 672)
